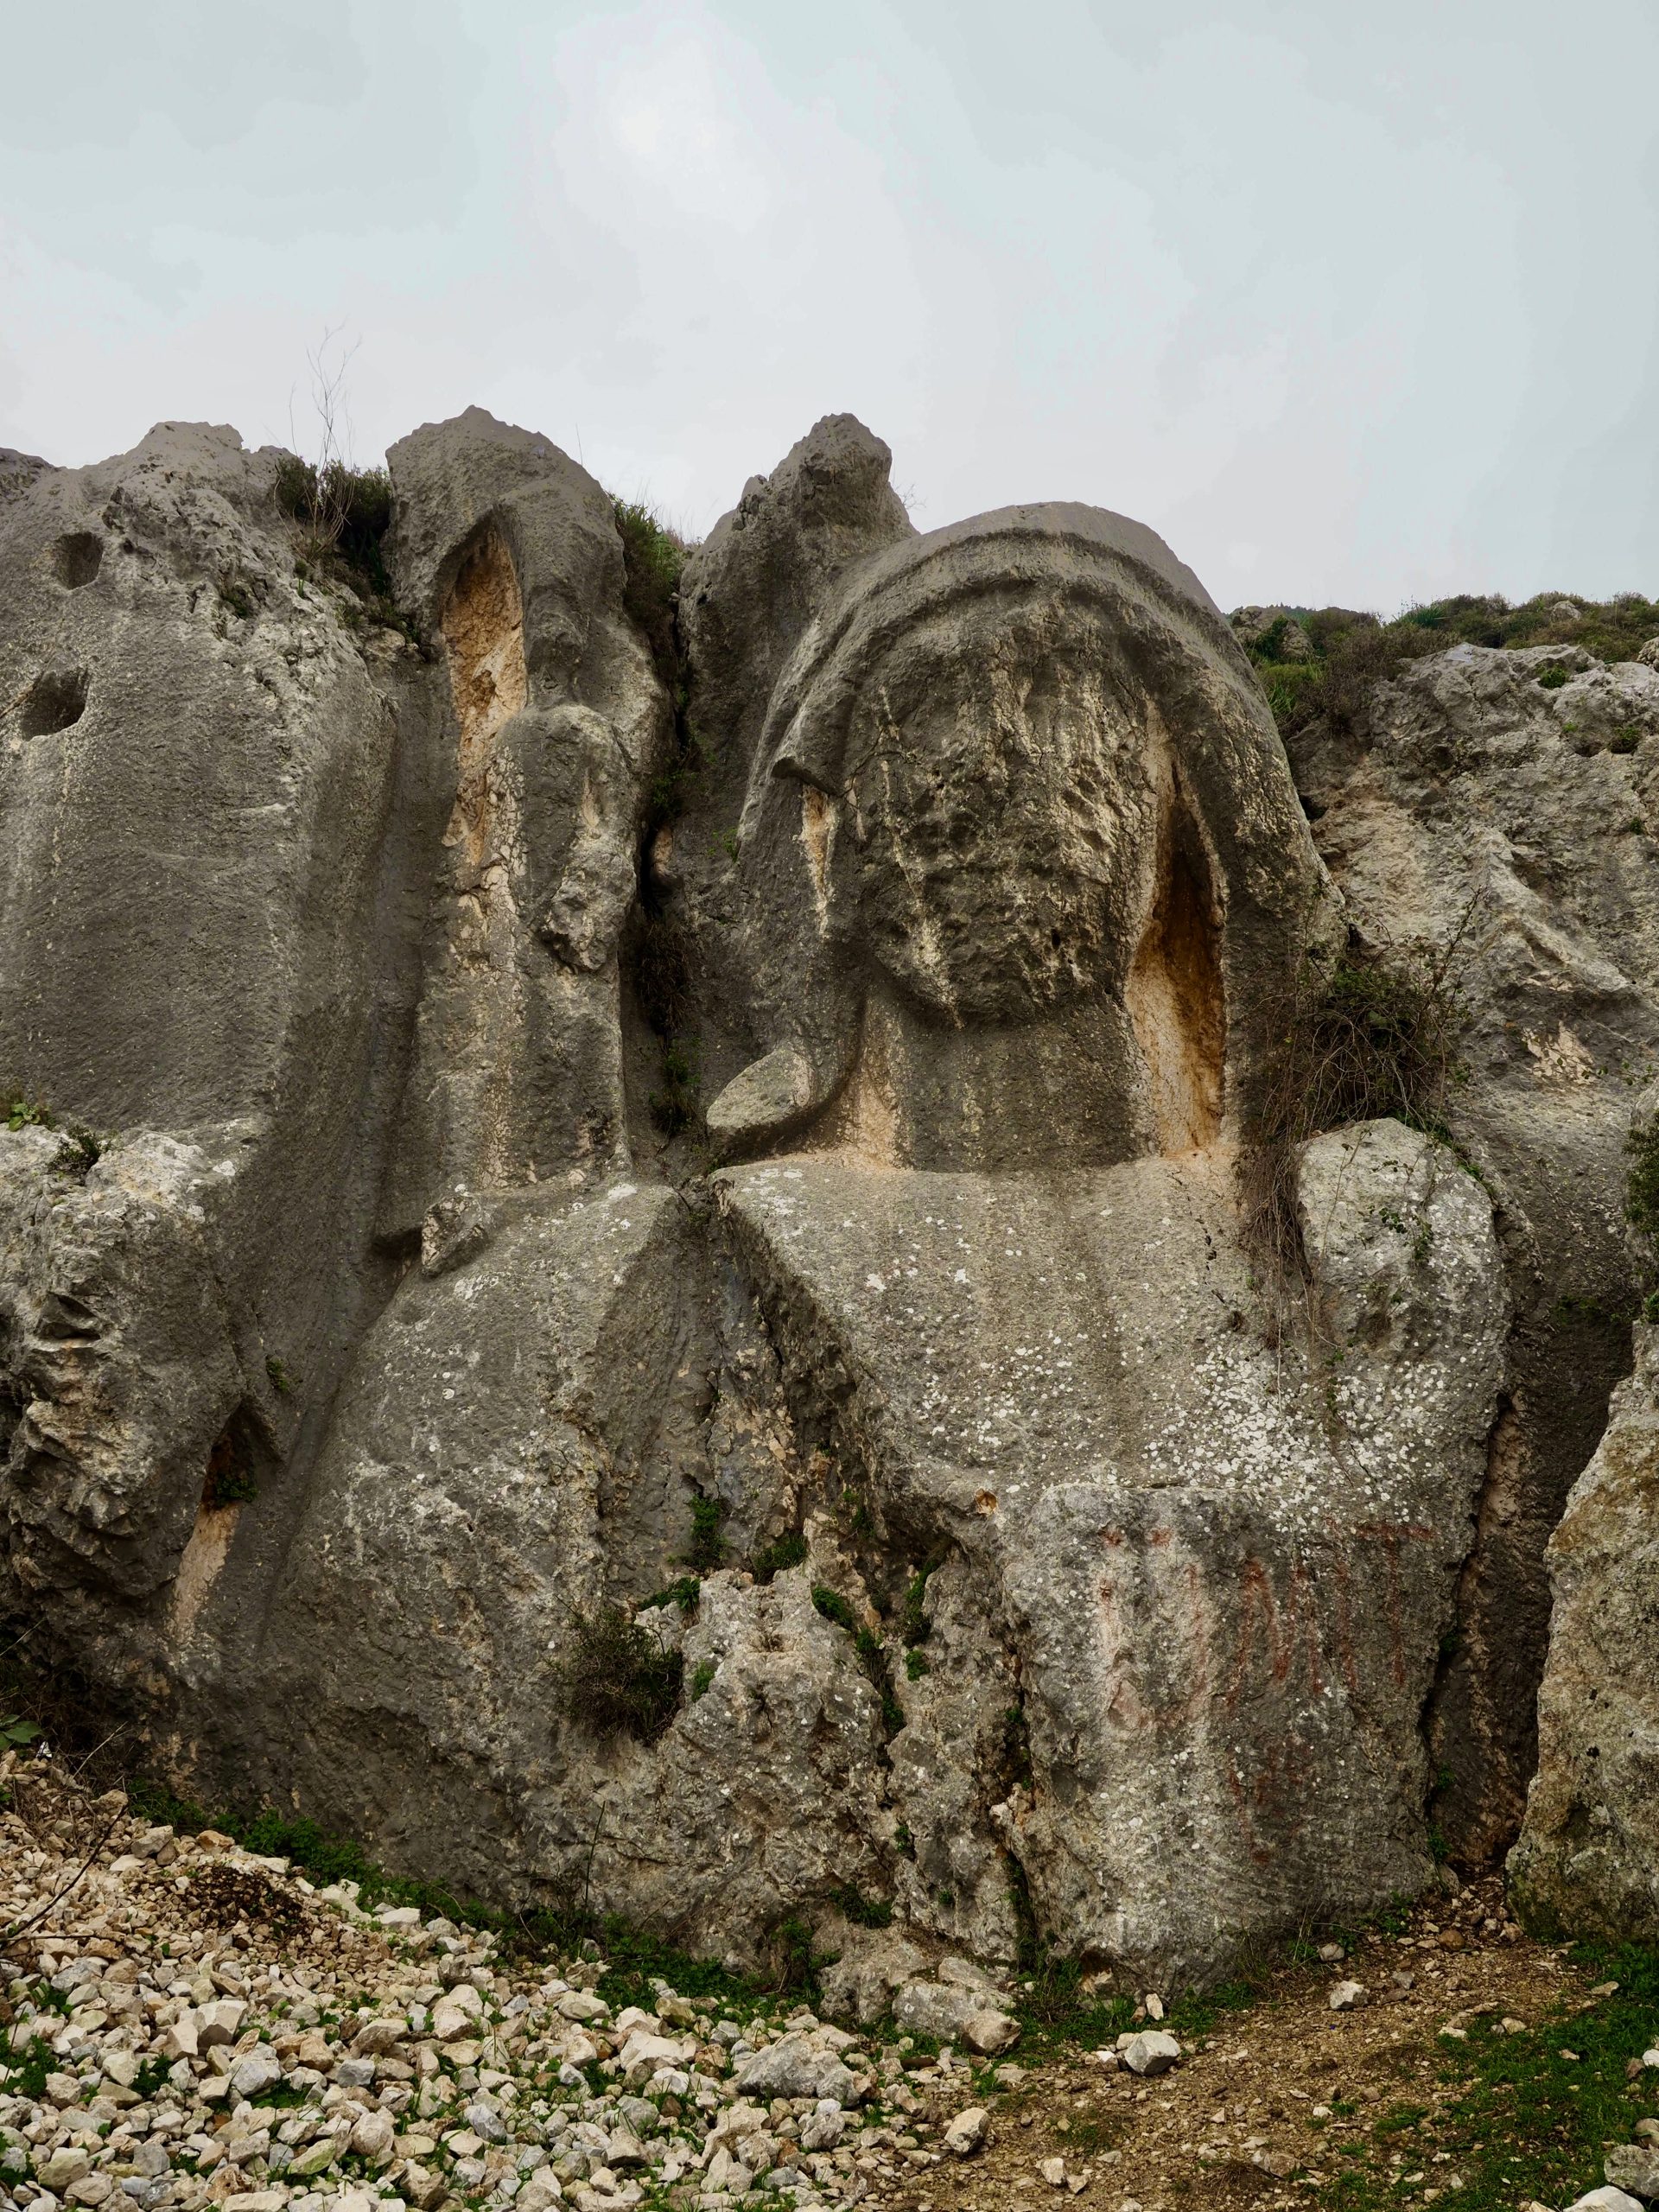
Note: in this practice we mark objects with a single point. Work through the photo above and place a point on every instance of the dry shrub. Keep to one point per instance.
(1363, 1035)
(616, 1680)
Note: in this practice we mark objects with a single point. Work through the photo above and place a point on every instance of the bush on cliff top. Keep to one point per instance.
(1352, 652)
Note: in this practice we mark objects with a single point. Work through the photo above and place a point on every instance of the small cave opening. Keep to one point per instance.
(56, 700)
(232, 1472)
(76, 558)
(1176, 998)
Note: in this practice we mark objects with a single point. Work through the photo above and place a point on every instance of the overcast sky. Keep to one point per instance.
(1352, 301)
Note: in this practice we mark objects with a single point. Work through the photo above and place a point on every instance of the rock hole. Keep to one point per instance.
(13, 1404)
(1175, 996)
(76, 558)
(232, 1475)
(64, 1318)
(56, 699)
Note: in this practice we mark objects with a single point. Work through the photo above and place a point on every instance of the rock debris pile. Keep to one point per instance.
(190, 2024)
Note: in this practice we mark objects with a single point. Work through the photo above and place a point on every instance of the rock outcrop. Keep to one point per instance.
(1498, 807)
(1058, 1576)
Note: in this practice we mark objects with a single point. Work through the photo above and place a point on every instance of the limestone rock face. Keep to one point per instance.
(1507, 821)
(1585, 1860)
(1049, 1566)
(1213, 1592)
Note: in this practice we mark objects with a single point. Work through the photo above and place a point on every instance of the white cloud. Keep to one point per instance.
(1349, 304)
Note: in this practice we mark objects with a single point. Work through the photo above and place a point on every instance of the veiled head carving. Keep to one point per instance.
(1012, 780)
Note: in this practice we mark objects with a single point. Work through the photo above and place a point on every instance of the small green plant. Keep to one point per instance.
(234, 594)
(674, 1107)
(791, 1949)
(615, 1679)
(708, 1545)
(151, 2079)
(686, 1593)
(913, 1625)
(834, 1607)
(916, 1664)
(232, 1479)
(903, 1842)
(772, 1559)
(872, 1653)
(863, 1911)
(27, 2076)
(701, 1677)
(1623, 741)
(856, 1512)
(281, 1380)
(28, 1114)
(78, 1154)
(16, 1734)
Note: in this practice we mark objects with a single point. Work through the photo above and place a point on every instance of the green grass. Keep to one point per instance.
(772, 1559)
(863, 1911)
(26, 2076)
(1518, 2119)
(686, 1593)
(708, 1545)
(652, 557)
(632, 1956)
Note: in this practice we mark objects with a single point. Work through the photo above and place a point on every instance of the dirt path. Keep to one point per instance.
(1259, 2114)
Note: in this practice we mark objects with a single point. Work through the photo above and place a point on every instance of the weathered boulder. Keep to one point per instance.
(1495, 810)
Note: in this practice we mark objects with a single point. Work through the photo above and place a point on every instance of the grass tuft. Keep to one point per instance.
(772, 1559)
(614, 1678)
(652, 557)
(708, 1545)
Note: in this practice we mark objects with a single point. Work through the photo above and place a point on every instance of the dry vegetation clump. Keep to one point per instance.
(616, 1680)
(1366, 1033)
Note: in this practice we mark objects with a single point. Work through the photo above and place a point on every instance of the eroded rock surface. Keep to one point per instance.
(1498, 808)
(1057, 1575)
